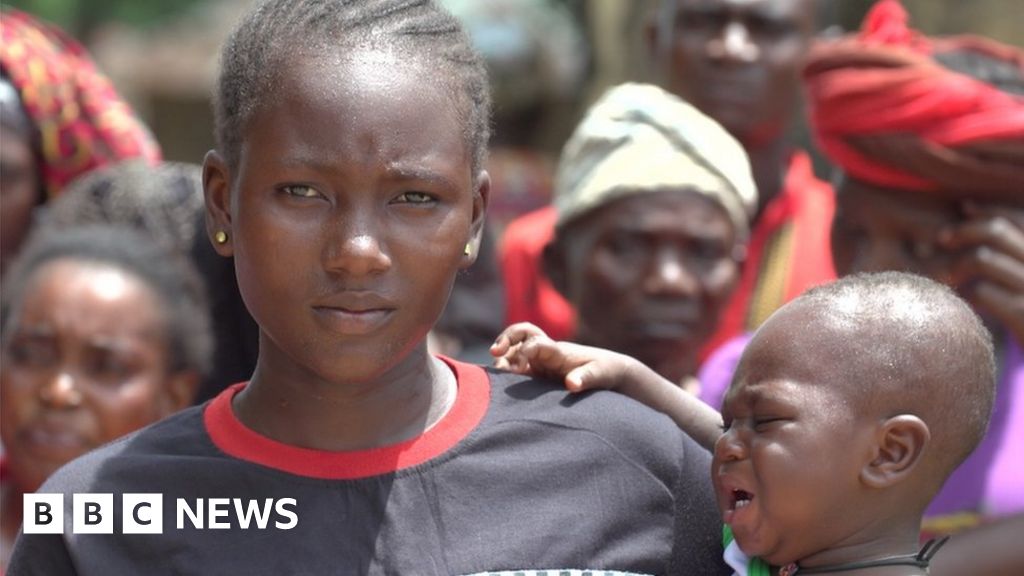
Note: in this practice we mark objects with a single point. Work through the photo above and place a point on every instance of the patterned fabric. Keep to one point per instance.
(884, 109)
(81, 121)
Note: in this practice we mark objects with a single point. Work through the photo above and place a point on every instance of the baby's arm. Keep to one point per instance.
(992, 549)
(526, 349)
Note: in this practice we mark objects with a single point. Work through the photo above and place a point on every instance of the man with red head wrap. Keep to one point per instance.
(60, 118)
(884, 97)
(929, 136)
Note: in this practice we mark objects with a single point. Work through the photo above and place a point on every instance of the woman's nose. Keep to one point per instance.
(670, 276)
(356, 250)
(60, 391)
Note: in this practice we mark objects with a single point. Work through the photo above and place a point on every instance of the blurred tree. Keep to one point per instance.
(81, 17)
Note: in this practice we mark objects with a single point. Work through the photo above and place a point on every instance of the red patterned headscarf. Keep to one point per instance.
(81, 122)
(884, 110)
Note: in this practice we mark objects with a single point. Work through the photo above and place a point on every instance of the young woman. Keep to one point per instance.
(348, 186)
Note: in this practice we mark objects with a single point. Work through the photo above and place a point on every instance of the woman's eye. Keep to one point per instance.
(414, 198)
(32, 353)
(107, 367)
(771, 28)
(624, 244)
(301, 191)
(710, 251)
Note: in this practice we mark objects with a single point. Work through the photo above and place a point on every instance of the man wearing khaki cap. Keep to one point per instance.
(653, 200)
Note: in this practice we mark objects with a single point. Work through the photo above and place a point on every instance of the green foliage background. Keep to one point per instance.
(79, 17)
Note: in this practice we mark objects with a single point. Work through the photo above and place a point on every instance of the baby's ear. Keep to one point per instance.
(900, 442)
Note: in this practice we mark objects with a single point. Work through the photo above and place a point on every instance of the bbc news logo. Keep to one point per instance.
(144, 514)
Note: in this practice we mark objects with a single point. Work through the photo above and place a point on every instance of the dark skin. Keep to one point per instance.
(782, 412)
(791, 403)
(648, 275)
(992, 549)
(977, 248)
(348, 215)
(739, 62)
(85, 361)
(20, 190)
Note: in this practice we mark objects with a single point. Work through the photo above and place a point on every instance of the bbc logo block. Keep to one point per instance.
(43, 514)
(93, 514)
(141, 513)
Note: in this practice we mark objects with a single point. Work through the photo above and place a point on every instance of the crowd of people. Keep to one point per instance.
(716, 362)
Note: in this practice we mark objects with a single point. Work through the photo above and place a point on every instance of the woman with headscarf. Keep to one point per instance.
(103, 333)
(59, 116)
(653, 201)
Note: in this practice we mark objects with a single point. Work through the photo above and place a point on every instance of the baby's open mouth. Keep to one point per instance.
(740, 499)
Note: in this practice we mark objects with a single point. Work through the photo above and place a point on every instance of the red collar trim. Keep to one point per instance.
(235, 439)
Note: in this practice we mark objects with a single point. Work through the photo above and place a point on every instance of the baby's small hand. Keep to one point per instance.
(525, 349)
(508, 347)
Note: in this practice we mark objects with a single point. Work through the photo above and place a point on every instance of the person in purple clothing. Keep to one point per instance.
(933, 186)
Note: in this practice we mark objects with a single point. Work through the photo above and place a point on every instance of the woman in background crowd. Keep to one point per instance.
(103, 334)
(653, 200)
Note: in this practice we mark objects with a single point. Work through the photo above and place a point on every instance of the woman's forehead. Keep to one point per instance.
(335, 113)
(912, 209)
(360, 73)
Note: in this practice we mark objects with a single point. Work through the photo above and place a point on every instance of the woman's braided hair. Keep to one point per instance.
(252, 57)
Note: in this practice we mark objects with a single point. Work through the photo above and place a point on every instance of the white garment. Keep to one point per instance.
(736, 559)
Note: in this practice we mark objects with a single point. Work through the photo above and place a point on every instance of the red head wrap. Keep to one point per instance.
(887, 113)
(81, 121)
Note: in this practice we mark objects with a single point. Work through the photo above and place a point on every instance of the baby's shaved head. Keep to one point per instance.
(903, 344)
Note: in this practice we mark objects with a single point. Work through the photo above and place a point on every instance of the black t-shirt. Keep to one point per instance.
(518, 475)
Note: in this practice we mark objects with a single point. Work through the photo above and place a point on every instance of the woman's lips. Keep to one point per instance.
(53, 442)
(354, 312)
(352, 322)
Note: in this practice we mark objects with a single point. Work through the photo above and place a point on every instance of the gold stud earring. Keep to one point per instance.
(468, 249)
(220, 237)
